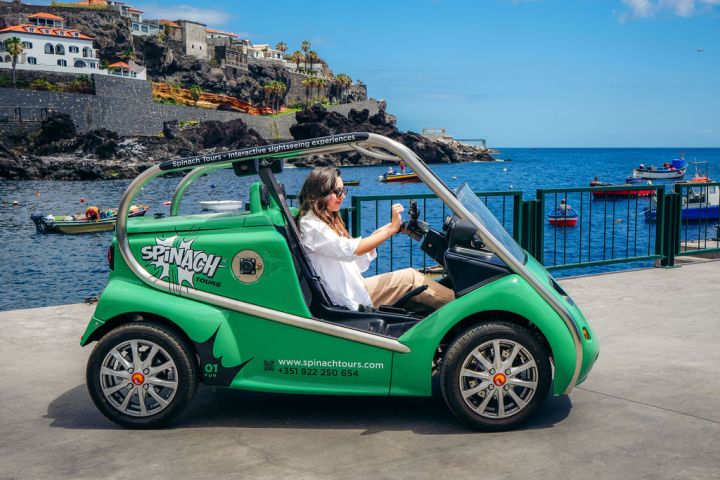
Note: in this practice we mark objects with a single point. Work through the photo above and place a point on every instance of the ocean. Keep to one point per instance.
(41, 270)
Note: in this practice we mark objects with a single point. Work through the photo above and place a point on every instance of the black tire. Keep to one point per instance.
(493, 414)
(172, 350)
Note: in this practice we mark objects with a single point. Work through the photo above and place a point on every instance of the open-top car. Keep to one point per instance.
(231, 299)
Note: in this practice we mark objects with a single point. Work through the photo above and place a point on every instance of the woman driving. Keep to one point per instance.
(339, 259)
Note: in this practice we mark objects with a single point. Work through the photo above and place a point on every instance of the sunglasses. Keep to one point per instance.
(340, 192)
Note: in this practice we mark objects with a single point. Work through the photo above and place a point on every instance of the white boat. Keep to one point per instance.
(221, 205)
(670, 170)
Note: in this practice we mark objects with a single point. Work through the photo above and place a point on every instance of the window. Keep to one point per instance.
(2, 47)
(80, 64)
(73, 49)
(59, 49)
(27, 45)
(49, 48)
(144, 28)
(87, 52)
(32, 60)
(1, 59)
(62, 63)
(135, 27)
(8, 58)
(93, 65)
(76, 34)
(31, 29)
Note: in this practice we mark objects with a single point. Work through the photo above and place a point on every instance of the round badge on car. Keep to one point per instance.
(247, 266)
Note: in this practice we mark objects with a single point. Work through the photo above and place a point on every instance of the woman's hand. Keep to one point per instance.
(396, 221)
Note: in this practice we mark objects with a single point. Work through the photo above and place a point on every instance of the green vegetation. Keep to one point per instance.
(195, 93)
(14, 47)
(188, 123)
(274, 91)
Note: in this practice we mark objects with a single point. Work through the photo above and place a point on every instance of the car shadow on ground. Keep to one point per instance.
(221, 407)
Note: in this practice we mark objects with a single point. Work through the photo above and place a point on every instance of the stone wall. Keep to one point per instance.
(125, 106)
(26, 77)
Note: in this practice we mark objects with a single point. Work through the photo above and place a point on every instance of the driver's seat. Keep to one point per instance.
(392, 322)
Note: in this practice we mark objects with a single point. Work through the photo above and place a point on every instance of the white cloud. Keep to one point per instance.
(207, 16)
(681, 8)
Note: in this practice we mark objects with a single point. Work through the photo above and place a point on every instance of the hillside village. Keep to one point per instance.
(184, 59)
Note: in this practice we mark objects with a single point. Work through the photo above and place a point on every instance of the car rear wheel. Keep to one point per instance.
(495, 376)
(141, 375)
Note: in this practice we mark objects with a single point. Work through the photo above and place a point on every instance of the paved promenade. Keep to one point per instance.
(650, 409)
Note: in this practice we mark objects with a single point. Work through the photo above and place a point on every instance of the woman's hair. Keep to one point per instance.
(313, 197)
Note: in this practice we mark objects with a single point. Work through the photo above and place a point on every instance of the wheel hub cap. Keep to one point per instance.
(138, 378)
(499, 379)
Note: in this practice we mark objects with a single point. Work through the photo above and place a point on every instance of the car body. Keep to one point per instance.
(229, 299)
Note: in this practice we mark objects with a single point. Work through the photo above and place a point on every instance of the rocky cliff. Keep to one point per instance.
(58, 152)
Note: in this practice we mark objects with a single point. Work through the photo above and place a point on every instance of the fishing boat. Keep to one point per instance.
(93, 221)
(399, 178)
(669, 170)
(700, 200)
(619, 193)
(351, 183)
(563, 217)
(221, 205)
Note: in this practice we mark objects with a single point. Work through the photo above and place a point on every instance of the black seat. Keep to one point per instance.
(392, 323)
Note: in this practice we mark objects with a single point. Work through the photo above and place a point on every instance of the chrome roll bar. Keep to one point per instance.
(363, 143)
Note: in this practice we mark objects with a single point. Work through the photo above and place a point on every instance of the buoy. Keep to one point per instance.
(212, 185)
(167, 202)
(504, 169)
(37, 194)
(454, 177)
(510, 187)
(15, 203)
(82, 199)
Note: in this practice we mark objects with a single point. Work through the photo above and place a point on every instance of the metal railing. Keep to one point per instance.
(17, 114)
(615, 225)
(697, 212)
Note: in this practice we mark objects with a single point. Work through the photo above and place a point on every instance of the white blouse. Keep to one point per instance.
(334, 260)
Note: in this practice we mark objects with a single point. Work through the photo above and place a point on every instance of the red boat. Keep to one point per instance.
(563, 217)
(621, 193)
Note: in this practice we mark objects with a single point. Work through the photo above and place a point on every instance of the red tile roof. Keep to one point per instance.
(131, 9)
(230, 34)
(119, 65)
(46, 15)
(169, 23)
(52, 31)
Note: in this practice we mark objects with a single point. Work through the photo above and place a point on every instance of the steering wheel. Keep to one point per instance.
(414, 228)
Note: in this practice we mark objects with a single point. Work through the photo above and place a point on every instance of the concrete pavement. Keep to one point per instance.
(650, 409)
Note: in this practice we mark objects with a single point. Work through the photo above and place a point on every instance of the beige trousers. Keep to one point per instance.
(387, 288)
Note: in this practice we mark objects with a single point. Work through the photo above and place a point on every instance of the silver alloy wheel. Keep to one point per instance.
(138, 378)
(498, 379)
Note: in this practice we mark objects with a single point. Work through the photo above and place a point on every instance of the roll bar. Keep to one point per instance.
(362, 142)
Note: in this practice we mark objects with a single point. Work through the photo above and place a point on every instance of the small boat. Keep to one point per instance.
(221, 205)
(563, 217)
(399, 178)
(351, 183)
(623, 193)
(669, 170)
(700, 201)
(633, 180)
(93, 221)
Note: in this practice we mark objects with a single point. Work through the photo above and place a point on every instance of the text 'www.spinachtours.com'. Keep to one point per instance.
(331, 363)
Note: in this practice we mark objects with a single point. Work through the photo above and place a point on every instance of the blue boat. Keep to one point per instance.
(699, 203)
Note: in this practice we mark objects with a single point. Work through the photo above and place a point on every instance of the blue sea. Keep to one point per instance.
(41, 270)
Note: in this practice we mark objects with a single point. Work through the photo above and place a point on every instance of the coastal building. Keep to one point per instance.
(49, 46)
(131, 70)
(194, 39)
(173, 30)
(265, 52)
(138, 26)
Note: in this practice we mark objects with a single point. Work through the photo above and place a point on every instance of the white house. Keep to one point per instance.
(132, 70)
(265, 52)
(220, 35)
(48, 46)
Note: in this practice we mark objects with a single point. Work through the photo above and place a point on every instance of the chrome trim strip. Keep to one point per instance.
(315, 325)
(435, 184)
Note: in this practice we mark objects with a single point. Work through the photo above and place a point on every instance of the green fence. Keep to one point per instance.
(697, 213)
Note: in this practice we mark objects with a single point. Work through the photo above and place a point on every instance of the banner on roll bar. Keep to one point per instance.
(262, 150)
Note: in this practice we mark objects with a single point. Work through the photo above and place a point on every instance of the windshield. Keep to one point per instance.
(470, 201)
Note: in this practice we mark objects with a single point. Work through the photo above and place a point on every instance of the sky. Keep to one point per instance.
(519, 73)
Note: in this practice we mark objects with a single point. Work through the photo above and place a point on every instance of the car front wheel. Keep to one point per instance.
(495, 376)
(141, 375)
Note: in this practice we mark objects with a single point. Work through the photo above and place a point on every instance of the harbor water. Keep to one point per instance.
(40, 270)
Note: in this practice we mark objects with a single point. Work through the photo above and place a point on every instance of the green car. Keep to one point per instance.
(231, 300)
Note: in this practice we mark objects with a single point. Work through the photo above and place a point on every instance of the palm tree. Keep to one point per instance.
(308, 84)
(312, 57)
(128, 55)
(14, 47)
(269, 90)
(280, 88)
(282, 47)
(320, 84)
(305, 47)
(297, 57)
(195, 93)
(343, 82)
